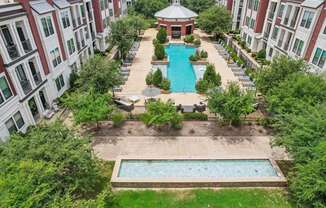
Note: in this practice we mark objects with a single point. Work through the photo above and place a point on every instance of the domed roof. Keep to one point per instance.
(176, 11)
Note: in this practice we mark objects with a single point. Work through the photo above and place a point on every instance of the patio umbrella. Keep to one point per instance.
(151, 91)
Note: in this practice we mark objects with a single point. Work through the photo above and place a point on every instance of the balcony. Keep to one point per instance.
(266, 35)
(27, 46)
(12, 51)
(37, 78)
(26, 86)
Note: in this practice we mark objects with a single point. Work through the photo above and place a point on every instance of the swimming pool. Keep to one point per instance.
(180, 71)
(196, 168)
(190, 173)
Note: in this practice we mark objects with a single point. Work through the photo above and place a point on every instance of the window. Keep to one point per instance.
(82, 10)
(252, 23)
(249, 40)
(256, 3)
(56, 59)
(280, 11)
(250, 4)
(71, 46)
(86, 33)
(47, 26)
(319, 58)
(275, 33)
(297, 47)
(5, 92)
(15, 123)
(60, 83)
(324, 30)
(111, 12)
(270, 53)
(65, 19)
(307, 19)
(244, 36)
(102, 4)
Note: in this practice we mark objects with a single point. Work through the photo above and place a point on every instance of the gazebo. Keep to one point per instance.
(176, 19)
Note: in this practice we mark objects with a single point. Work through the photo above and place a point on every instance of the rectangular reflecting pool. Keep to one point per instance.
(180, 71)
(196, 173)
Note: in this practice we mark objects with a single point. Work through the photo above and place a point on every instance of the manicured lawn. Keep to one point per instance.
(226, 198)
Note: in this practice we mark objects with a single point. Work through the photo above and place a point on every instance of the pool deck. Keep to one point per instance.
(236, 147)
(142, 66)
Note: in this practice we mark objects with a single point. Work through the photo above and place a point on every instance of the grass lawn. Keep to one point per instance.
(225, 198)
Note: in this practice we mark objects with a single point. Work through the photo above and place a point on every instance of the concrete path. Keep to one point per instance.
(187, 147)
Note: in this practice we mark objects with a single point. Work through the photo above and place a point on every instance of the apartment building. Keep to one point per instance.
(289, 27)
(41, 43)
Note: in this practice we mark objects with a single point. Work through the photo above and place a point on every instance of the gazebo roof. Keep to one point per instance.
(176, 11)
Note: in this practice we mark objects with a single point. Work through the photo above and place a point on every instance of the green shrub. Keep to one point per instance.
(155, 42)
(159, 52)
(211, 77)
(118, 119)
(157, 78)
(195, 116)
(161, 35)
(203, 54)
(189, 39)
(197, 42)
(165, 85)
(149, 78)
(261, 55)
(193, 57)
(73, 79)
(243, 44)
(201, 86)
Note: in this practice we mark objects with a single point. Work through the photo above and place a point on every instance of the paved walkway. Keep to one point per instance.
(187, 147)
(142, 66)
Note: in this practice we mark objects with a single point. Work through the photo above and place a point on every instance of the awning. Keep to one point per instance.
(312, 3)
(41, 7)
(61, 4)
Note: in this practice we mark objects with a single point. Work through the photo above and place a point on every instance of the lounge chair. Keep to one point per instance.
(124, 105)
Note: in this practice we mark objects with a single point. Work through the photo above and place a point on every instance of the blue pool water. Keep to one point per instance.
(195, 168)
(180, 70)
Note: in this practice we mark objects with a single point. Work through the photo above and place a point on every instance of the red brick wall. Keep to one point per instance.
(316, 32)
(263, 5)
(182, 24)
(98, 16)
(229, 5)
(117, 10)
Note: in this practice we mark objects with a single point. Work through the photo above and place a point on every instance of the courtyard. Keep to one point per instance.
(141, 66)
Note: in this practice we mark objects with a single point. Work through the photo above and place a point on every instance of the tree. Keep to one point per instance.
(281, 67)
(159, 51)
(198, 6)
(89, 107)
(161, 35)
(231, 104)
(137, 22)
(216, 20)
(49, 164)
(99, 73)
(149, 7)
(211, 77)
(296, 91)
(157, 78)
(122, 35)
(201, 86)
(159, 114)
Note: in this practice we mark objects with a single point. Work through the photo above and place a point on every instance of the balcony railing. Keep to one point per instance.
(26, 85)
(12, 51)
(37, 78)
(27, 45)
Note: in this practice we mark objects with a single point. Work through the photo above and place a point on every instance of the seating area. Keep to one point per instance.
(237, 70)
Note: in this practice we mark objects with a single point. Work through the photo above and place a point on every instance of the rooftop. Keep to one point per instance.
(176, 11)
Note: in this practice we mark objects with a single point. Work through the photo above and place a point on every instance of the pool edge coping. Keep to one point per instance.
(195, 182)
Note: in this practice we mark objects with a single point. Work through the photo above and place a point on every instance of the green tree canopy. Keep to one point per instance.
(231, 103)
(100, 74)
(213, 79)
(198, 6)
(159, 114)
(137, 23)
(89, 107)
(47, 164)
(161, 36)
(281, 67)
(149, 7)
(297, 90)
(216, 20)
(159, 52)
